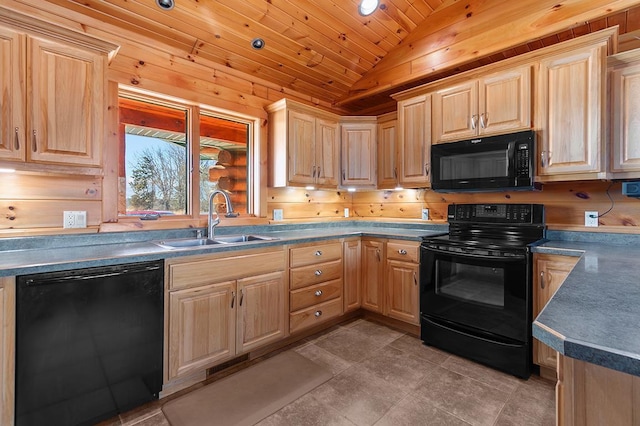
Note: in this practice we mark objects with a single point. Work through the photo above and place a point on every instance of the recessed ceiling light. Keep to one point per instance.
(165, 4)
(257, 43)
(367, 7)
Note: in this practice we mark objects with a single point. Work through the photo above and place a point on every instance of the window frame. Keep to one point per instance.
(256, 160)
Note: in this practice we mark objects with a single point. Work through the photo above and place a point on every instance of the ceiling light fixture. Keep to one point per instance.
(165, 4)
(257, 43)
(367, 7)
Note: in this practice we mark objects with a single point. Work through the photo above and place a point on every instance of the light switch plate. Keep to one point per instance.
(278, 214)
(425, 214)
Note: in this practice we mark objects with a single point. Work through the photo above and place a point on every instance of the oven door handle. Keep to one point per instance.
(516, 258)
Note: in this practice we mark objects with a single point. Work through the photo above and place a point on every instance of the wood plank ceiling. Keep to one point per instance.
(327, 51)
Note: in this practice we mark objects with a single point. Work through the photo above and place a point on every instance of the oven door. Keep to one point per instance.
(483, 294)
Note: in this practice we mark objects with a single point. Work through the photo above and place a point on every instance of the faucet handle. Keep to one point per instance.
(232, 214)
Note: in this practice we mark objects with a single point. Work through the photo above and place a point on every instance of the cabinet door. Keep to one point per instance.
(549, 272)
(387, 155)
(414, 121)
(66, 114)
(261, 312)
(327, 153)
(302, 148)
(455, 112)
(352, 272)
(625, 122)
(12, 95)
(372, 275)
(202, 327)
(505, 101)
(358, 154)
(402, 291)
(570, 108)
(7, 349)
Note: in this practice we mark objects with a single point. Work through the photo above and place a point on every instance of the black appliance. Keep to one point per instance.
(492, 163)
(475, 284)
(89, 343)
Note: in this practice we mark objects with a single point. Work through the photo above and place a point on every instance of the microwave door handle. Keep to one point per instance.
(516, 258)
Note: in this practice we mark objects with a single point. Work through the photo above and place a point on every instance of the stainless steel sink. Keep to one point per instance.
(199, 242)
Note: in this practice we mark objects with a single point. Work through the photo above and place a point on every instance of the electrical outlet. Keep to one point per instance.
(74, 219)
(346, 212)
(278, 214)
(590, 218)
(425, 214)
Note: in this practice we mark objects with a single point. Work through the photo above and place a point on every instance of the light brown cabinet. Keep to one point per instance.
(403, 282)
(221, 306)
(351, 255)
(414, 141)
(549, 272)
(624, 73)
(304, 146)
(7, 352)
(315, 284)
(53, 104)
(388, 151)
(570, 114)
(373, 275)
(358, 149)
(496, 103)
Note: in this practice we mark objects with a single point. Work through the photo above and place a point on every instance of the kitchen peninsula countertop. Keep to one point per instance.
(20, 256)
(595, 315)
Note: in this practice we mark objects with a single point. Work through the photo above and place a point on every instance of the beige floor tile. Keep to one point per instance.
(379, 333)
(324, 358)
(398, 368)
(532, 403)
(306, 411)
(464, 397)
(494, 378)
(350, 345)
(414, 346)
(156, 420)
(413, 411)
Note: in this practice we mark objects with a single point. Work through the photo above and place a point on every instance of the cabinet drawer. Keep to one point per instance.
(207, 271)
(311, 295)
(301, 256)
(407, 252)
(315, 274)
(315, 314)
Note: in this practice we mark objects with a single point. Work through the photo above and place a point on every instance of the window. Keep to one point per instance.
(157, 150)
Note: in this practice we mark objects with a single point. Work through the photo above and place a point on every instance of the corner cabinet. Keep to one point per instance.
(414, 141)
(358, 148)
(549, 272)
(387, 146)
(220, 306)
(352, 290)
(571, 95)
(373, 275)
(304, 145)
(624, 73)
(403, 282)
(496, 103)
(53, 105)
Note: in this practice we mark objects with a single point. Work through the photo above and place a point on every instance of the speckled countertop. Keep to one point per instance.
(595, 315)
(20, 256)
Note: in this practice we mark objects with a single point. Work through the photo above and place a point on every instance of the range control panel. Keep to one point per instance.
(496, 213)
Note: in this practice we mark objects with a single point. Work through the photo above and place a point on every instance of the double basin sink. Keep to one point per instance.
(200, 242)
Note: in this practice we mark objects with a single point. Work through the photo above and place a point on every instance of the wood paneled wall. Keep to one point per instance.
(565, 204)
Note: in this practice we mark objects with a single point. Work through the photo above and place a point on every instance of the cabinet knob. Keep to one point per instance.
(318, 272)
(318, 293)
(318, 314)
(318, 252)
(402, 251)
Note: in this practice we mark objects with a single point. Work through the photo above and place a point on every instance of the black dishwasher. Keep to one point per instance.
(89, 343)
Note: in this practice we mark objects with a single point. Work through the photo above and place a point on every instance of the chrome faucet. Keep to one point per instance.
(213, 222)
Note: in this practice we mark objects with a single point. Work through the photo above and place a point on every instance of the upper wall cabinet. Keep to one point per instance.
(303, 146)
(497, 103)
(52, 103)
(388, 151)
(358, 148)
(570, 114)
(414, 141)
(624, 72)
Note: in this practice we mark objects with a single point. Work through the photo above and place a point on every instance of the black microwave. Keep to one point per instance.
(492, 163)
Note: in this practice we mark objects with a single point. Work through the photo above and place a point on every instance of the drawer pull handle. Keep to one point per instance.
(402, 251)
(233, 298)
(318, 314)
(318, 272)
(542, 284)
(318, 293)
(34, 142)
(241, 296)
(17, 141)
(318, 252)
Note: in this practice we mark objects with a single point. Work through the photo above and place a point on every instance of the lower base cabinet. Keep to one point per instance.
(373, 275)
(403, 283)
(222, 307)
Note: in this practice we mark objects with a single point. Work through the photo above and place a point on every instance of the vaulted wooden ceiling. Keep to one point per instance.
(327, 51)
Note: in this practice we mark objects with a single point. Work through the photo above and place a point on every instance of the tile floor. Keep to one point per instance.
(385, 377)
